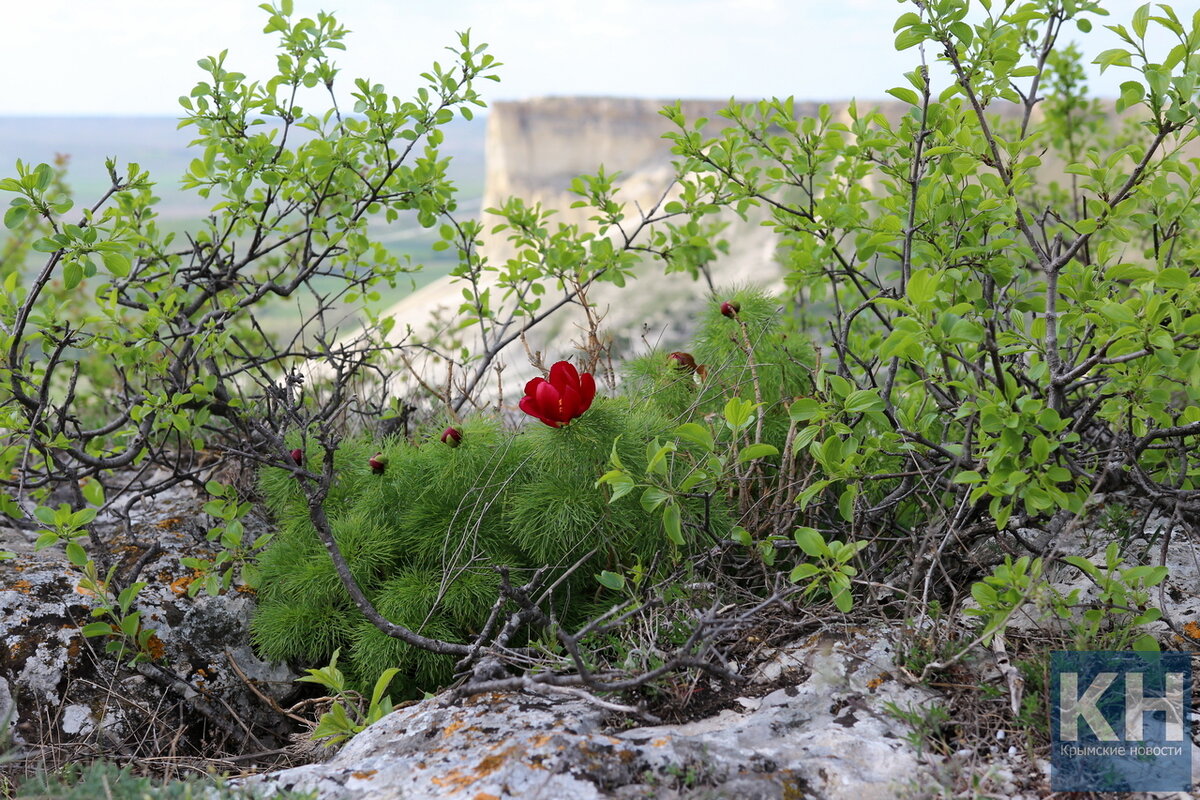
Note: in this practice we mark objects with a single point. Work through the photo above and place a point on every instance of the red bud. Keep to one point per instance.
(298, 456)
(451, 437)
(378, 463)
(683, 361)
(730, 309)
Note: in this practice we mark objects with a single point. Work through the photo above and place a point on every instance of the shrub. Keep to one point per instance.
(1008, 297)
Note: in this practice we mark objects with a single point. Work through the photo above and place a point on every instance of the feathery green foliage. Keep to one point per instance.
(423, 538)
(733, 352)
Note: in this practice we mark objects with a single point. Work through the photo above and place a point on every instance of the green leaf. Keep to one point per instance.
(1173, 278)
(1140, 17)
(76, 554)
(673, 524)
(804, 409)
(1114, 57)
(1083, 565)
(116, 263)
(802, 571)
(922, 286)
(381, 685)
(611, 580)
(861, 400)
(984, 595)
(910, 37)
(738, 413)
(72, 274)
(652, 498)
(816, 487)
(697, 434)
(843, 600)
(753, 451)
(614, 457)
(905, 95)
(1146, 644)
(97, 629)
(621, 483)
(846, 503)
(968, 476)
(1118, 313)
(658, 464)
(811, 542)
(15, 216)
(131, 623)
(93, 492)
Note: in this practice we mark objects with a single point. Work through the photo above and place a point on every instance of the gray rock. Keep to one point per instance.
(56, 685)
(825, 737)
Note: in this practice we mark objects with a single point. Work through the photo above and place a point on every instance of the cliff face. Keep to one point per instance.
(534, 149)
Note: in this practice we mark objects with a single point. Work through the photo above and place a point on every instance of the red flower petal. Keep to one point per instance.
(529, 406)
(548, 401)
(562, 398)
(587, 391)
(531, 386)
(568, 404)
(563, 374)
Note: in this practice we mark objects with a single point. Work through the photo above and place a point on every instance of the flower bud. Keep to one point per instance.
(378, 463)
(730, 308)
(298, 457)
(682, 361)
(451, 437)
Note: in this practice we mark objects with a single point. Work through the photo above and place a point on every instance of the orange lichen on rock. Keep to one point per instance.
(456, 780)
(180, 585)
(364, 774)
(485, 796)
(169, 524)
(878, 681)
(155, 647)
(453, 779)
(493, 762)
(23, 586)
(1191, 631)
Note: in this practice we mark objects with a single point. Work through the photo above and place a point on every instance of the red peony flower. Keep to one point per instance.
(451, 437)
(730, 309)
(562, 398)
(298, 457)
(378, 463)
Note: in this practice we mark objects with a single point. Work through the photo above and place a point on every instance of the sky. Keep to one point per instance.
(136, 57)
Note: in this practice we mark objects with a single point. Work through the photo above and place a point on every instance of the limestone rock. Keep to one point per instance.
(826, 736)
(58, 686)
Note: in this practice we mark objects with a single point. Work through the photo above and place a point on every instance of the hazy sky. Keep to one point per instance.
(138, 56)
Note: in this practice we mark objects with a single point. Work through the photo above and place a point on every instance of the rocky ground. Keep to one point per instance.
(836, 713)
(64, 698)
